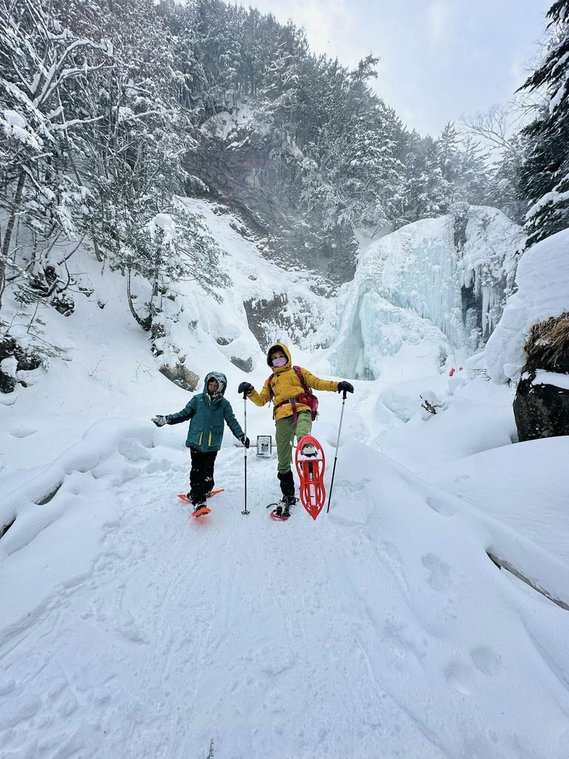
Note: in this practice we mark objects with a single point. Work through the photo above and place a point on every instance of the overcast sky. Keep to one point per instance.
(439, 59)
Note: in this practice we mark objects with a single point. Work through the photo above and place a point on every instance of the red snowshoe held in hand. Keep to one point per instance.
(310, 462)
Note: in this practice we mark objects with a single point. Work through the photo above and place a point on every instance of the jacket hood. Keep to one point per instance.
(285, 350)
(221, 380)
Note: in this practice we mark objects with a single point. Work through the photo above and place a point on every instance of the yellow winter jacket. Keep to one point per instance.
(286, 385)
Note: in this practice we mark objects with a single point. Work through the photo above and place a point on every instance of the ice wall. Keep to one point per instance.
(452, 272)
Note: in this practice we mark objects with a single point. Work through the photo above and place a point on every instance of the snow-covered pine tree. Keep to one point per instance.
(423, 191)
(544, 175)
(447, 152)
(352, 178)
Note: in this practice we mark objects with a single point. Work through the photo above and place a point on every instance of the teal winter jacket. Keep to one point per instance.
(207, 415)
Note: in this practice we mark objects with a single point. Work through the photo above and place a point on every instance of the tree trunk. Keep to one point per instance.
(8, 234)
(146, 324)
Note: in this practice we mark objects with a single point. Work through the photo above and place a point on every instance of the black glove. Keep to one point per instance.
(245, 387)
(346, 387)
(159, 420)
(245, 440)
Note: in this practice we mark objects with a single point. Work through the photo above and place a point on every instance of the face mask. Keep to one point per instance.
(280, 361)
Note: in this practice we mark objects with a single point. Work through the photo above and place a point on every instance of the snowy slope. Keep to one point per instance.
(138, 631)
(380, 630)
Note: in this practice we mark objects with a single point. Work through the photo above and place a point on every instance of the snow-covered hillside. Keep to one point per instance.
(381, 630)
(198, 321)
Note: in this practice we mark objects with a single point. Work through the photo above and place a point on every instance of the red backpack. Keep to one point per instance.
(307, 398)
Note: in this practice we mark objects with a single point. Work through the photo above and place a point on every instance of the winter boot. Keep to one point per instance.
(309, 450)
(288, 501)
(283, 506)
(288, 498)
(287, 483)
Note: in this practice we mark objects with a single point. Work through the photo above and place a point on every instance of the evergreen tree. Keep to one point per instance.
(544, 175)
(447, 160)
(423, 195)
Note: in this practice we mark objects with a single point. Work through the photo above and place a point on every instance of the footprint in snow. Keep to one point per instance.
(439, 572)
(441, 505)
(7, 686)
(276, 660)
(486, 660)
(390, 555)
(19, 709)
(22, 431)
(459, 677)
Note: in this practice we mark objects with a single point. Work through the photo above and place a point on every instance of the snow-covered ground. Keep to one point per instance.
(382, 629)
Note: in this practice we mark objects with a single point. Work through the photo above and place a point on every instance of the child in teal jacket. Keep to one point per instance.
(207, 412)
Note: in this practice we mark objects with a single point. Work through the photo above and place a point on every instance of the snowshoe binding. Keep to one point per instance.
(200, 510)
(185, 497)
(281, 512)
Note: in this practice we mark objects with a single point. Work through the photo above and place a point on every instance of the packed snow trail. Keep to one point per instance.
(353, 636)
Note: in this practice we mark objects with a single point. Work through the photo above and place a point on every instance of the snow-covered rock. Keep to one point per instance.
(543, 291)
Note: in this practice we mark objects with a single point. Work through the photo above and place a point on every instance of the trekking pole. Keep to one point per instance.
(337, 445)
(245, 510)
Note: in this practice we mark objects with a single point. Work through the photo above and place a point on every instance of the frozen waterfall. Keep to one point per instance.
(431, 288)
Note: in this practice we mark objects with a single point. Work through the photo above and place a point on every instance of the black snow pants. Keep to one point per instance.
(201, 474)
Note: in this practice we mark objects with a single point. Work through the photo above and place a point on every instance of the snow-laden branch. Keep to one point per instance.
(58, 74)
(550, 198)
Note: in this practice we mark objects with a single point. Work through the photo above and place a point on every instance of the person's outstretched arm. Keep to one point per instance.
(259, 399)
(321, 384)
(180, 416)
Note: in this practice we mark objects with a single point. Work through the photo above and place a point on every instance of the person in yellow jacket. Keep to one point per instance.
(293, 418)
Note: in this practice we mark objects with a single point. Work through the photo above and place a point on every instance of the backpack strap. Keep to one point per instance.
(292, 401)
(298, 371)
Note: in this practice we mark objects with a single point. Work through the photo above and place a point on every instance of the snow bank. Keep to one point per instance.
(543, 291)
(43, 498)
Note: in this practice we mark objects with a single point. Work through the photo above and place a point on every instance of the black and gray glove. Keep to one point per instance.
(159, 420)
(345, 387)
(245, 440)
(245, 387)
